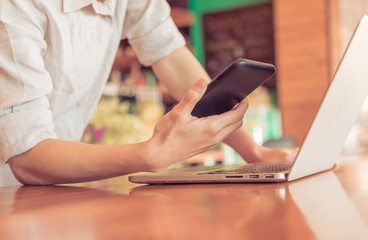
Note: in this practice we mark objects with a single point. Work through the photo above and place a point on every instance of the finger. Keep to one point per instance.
(226, 131)
(230, 117)
(242, 106)
(245, 101)
(193, 95)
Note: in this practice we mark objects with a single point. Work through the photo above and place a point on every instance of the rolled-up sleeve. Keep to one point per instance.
(25, 116)
(150, 30)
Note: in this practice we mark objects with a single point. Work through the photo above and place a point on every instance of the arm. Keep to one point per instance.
(35, 157)
(54, 161)
(179, 71)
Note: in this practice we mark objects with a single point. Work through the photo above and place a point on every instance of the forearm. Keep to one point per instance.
(243, 143)
(179, 71)
(54, 161)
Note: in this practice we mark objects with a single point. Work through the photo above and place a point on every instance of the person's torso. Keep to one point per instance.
(81, 46)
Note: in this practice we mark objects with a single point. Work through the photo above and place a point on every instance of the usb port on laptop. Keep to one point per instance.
(269, 176)
(253, 176)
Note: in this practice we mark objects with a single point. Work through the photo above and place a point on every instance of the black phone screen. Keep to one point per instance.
(232, 85)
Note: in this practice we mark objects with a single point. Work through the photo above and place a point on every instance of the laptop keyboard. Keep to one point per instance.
(254, 168)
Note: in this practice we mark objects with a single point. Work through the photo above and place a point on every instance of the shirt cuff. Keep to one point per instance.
(24, 128)
(158, 43)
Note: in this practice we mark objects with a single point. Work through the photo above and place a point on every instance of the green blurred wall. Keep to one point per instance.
(200, 7)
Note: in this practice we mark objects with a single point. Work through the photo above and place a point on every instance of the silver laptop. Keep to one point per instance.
(323, 143)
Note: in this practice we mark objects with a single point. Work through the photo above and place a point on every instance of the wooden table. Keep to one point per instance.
(332, 205)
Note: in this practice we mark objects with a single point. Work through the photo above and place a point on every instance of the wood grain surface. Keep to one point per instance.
(330, 205)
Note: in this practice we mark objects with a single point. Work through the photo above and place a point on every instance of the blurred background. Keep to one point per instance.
(303, 39)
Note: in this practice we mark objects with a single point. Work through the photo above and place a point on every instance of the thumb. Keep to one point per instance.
(193, 95)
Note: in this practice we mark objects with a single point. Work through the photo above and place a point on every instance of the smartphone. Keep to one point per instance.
(232, 85)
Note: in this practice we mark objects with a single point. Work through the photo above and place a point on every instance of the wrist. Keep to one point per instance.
(243, 143)
(257, 155)
(253, 154)
(150, 156)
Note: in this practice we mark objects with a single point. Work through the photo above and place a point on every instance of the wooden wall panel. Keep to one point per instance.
(302, 60)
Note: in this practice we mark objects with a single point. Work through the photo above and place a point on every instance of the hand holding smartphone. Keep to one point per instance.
(232, 85)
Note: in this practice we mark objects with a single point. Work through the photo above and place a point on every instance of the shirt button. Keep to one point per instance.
(79, 103)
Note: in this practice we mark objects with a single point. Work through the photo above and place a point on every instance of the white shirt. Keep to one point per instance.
(55, 57)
